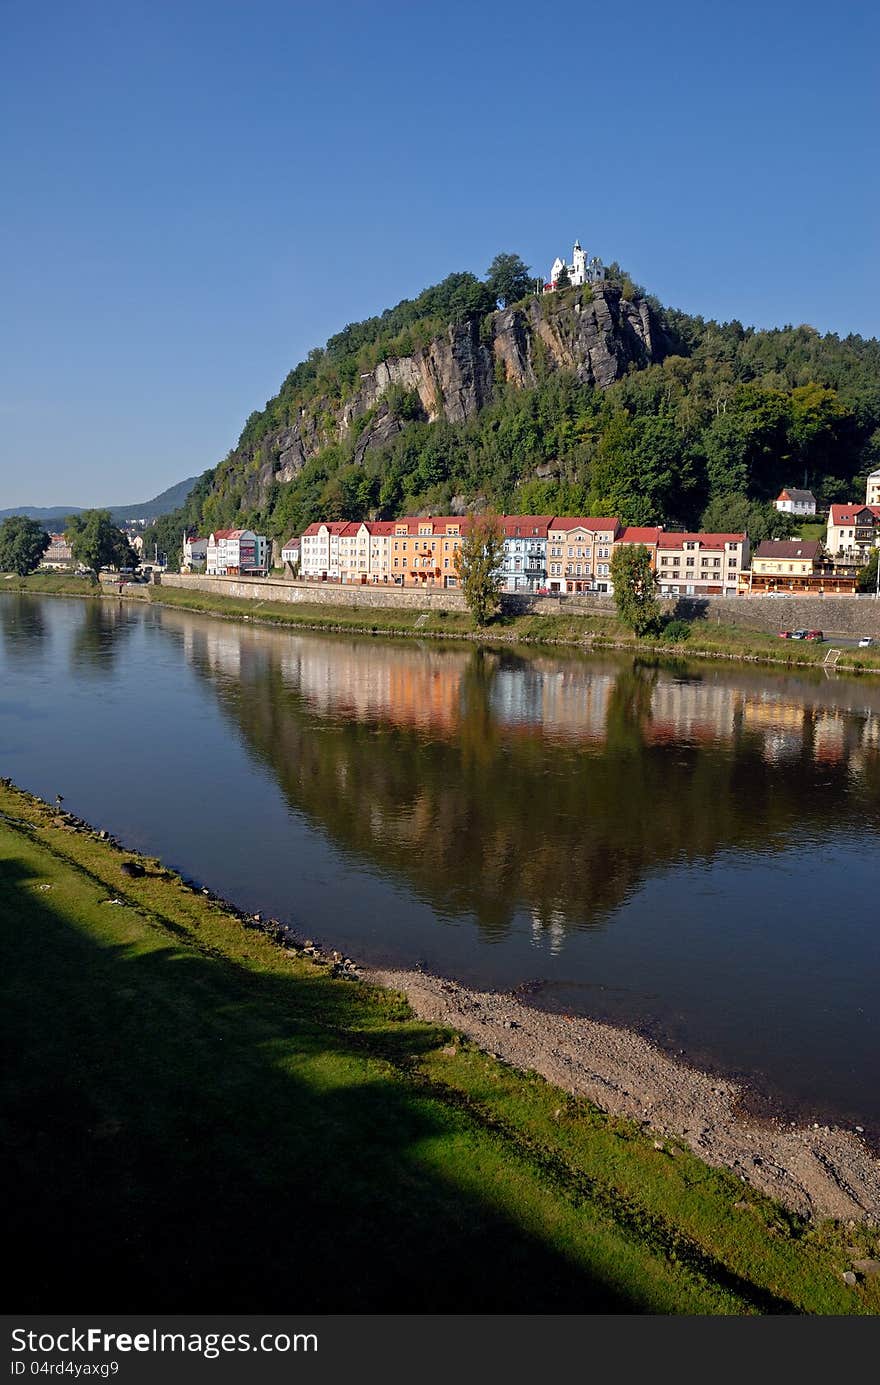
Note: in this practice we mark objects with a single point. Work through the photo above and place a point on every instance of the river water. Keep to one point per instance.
(691, 850)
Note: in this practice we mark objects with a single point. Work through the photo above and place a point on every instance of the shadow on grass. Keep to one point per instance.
(181, 1133)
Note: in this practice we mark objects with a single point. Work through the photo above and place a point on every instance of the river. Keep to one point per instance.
(687, 849)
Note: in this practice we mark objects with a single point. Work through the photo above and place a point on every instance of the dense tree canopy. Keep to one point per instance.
(96, 542)
(22, 544)
(508, 279)
(478, 564)
(635, 588)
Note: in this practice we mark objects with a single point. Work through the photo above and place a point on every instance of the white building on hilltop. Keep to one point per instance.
(580, 271)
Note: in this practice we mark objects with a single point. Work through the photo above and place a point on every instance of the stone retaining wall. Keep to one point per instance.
(836, 615)
(318, 593)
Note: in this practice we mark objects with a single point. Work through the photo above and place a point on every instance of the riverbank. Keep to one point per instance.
(706, 641)
(562, 630)
(220, 1096)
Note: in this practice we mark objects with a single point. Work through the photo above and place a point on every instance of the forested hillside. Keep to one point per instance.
(598, 401)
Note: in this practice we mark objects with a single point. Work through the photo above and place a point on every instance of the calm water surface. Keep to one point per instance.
(690, 850)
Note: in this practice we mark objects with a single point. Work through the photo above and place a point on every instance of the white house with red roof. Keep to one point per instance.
(852, 532)
(790, 501)
(320, 550)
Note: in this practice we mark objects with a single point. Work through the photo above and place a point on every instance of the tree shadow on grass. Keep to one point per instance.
(182, 1135)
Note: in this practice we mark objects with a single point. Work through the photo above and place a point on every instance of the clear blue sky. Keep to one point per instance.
(195, 194)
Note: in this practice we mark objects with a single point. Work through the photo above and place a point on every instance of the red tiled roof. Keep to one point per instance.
(526, 526)
(224, 533)
(566, 522)
(704, 540)
(334, 526)
(846, 514)
(634, 534)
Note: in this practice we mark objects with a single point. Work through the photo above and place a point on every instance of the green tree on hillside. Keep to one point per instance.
(635, 589)
(508, 279)
(478, 564)
(97, 542)
(563, 278)
(22, 544)
(735, 513)
(868, 573)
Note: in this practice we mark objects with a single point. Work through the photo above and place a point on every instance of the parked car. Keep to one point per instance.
(815, 635)
(865, 642)
(785, 634)
(798, 634)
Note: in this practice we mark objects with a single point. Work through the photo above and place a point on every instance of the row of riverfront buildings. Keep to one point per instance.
(550, 554)
(555, 554)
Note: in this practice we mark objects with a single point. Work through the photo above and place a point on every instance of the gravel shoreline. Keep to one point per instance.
(816, 1171)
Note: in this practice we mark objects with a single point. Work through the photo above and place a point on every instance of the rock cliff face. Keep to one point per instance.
(596, 335)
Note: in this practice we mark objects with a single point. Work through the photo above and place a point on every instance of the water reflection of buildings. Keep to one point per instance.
(426, 688)
(516, 802)
(693, 710)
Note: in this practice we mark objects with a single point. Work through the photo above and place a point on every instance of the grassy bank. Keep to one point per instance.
(706, 639)
(50, 584)
(197, 1117)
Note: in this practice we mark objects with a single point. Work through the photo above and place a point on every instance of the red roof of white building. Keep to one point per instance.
(566, 523)
(704, 540)
(846, 514)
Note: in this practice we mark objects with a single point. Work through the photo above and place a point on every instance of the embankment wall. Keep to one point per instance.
(836, 615)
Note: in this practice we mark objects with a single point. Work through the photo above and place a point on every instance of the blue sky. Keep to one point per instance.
(195, 194)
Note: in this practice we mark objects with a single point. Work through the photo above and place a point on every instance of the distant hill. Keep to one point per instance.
(162, 504)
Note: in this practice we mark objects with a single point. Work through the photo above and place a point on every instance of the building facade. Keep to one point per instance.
(872, 489)
(319, 548)
(59, 554)
(795, 565)
(290, 552)
(852, 532)
(195, 554)
(524, 565)
(701, 564)
(234, 552)
(579, 554)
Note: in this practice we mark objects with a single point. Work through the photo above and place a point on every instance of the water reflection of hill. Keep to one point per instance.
(493, 782)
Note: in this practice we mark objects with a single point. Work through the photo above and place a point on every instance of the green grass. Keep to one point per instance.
(707, 638)
(50, 583)
(196, 1118)
(811, 529)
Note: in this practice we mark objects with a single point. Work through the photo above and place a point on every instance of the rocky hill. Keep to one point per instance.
(592, 399)
(596, 334)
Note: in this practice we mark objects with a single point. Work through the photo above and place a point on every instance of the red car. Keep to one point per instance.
(815, 635)
(785, 634)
